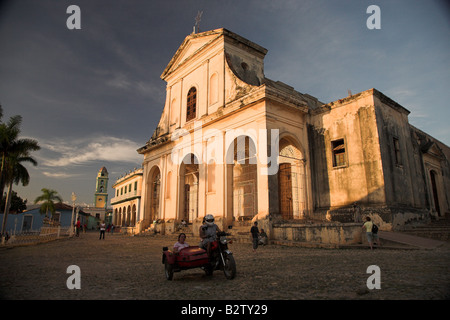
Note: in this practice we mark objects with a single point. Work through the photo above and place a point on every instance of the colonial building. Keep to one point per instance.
(126, 203)
(232, 143)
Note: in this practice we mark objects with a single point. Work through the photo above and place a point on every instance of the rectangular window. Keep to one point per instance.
(398, 158)
(56, 216)
(135, 185)
(338, 149)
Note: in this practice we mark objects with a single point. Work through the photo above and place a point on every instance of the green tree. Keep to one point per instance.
(18, 204)
(14, 152)
(15, 172)
(12, 146)
(47, 198)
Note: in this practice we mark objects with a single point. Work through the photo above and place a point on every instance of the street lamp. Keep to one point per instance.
(74, 198)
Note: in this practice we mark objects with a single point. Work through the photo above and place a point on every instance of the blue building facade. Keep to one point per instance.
(33, 220)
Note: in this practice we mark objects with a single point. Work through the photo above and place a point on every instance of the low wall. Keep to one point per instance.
(45, 234)
(327, 233)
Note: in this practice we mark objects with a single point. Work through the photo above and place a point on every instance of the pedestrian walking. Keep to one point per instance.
(255, 235)
(78, 227)
(102, 230)
(368, 226)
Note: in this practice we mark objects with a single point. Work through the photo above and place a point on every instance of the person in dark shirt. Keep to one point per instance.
(255, 236)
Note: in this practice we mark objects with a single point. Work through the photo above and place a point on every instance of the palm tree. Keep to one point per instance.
(13, 152)
(48, 196)
(10, 144)
(15, 172)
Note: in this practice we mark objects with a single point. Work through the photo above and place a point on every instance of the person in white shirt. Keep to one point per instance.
(102, 230)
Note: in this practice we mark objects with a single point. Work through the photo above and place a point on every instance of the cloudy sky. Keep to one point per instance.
(91, 97)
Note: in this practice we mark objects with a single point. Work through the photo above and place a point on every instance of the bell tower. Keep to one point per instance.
(101, 190)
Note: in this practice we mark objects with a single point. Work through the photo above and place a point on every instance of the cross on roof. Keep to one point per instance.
(198, 18)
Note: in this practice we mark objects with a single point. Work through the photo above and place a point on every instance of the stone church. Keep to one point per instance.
(232, 143)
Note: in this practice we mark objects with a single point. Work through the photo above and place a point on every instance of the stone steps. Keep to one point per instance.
(436, 229)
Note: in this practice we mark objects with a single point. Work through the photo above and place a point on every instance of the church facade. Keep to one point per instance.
(232, 143)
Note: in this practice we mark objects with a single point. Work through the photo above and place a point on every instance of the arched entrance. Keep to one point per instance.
(291, 181)
(133, 216)
(155, 191)
(242, 174)
(434, 190)
(189, 178)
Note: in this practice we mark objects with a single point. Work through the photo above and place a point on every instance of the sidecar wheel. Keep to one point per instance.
(168, 271)
(229, 269)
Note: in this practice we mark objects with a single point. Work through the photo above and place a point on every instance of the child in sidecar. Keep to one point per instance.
(180, 244)
(183, 257)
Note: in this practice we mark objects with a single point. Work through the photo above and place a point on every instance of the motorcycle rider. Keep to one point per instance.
(208, 233)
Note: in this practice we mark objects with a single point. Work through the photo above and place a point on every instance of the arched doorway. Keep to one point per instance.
(128, 223)
(242, 178)
(133, 216)
(434, 190)
(291, 181)
(155, 192)
(189, 178)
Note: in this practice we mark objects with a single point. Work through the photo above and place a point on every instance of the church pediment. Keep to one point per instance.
(434, 150)
(191, 45)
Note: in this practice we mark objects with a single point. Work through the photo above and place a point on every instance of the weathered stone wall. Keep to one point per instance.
(328, 233)
(360, 179)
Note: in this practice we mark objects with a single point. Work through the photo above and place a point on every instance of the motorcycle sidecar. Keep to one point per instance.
(186, 258)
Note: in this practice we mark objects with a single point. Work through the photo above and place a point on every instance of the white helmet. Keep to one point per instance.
(209, 219)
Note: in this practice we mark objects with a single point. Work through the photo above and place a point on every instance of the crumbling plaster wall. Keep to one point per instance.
(361, 178)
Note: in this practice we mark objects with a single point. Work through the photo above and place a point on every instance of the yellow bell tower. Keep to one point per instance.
(101, 190)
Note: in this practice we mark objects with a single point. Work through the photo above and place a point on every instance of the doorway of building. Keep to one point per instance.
(242, 178)
(155, 193)
(189, 177)
(285, 189)
(434, 190)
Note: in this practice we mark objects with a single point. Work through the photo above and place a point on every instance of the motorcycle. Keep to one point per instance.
(196, 257)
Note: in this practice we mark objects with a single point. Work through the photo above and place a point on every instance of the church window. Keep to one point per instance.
(191, 104)
(338, 148)
(398, 159)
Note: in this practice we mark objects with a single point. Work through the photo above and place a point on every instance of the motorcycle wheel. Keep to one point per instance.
(229, 269)
(168, 271)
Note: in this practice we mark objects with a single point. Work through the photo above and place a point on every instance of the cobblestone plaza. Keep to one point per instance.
(123, 267)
